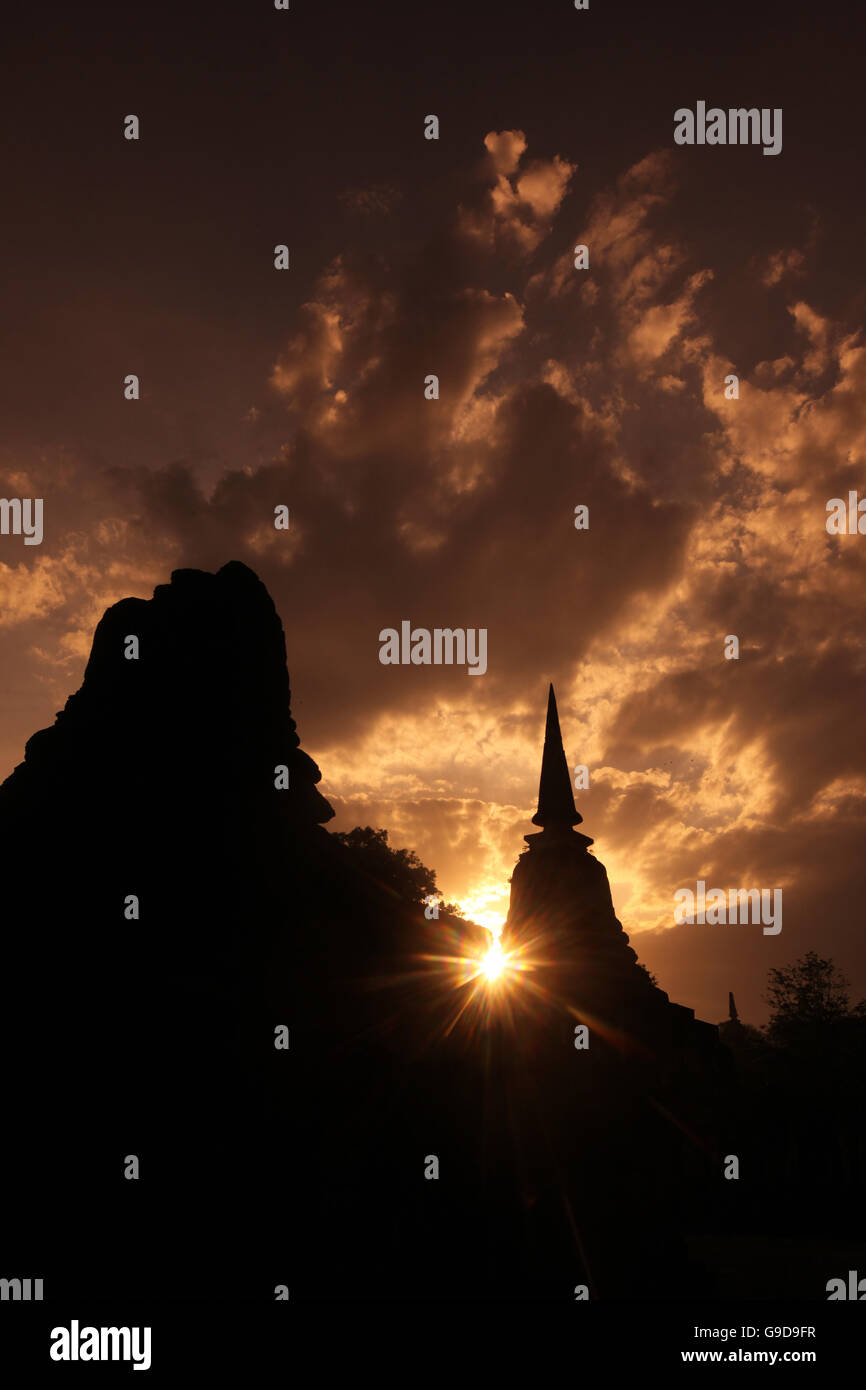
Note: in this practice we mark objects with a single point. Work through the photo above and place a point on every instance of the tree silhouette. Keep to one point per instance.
(398, 870)
(807, 998)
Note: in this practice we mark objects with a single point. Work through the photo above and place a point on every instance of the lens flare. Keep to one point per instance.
(494, 962)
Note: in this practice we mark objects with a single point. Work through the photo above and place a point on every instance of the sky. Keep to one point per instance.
(559, 387)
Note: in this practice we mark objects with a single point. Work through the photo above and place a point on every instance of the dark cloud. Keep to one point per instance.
(557, 387)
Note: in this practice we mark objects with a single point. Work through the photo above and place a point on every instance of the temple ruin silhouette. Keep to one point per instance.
(152, 1032)
(561, 907)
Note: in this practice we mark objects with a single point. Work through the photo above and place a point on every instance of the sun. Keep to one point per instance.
(493, 963)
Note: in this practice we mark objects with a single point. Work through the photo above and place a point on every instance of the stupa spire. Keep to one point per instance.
(555, 798)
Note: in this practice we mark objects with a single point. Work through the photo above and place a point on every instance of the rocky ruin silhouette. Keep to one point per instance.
(304, 1167)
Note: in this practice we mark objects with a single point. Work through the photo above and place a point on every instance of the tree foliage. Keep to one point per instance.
(398, 870)
(807, 997)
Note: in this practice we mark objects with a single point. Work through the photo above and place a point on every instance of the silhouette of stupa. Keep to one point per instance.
(620, 1123)
(556, 806)
(561, 911)
(732, 1031)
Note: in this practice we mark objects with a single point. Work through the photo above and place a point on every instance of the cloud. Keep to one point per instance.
(515, 213)
(374, 201)
(781, 264)
(558, 387)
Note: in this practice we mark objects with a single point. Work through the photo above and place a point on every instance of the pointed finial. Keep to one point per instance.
(732, 1009)
(555, 797)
